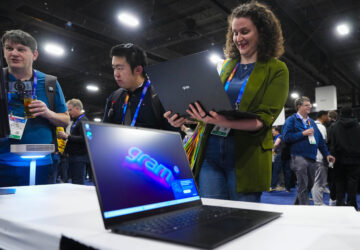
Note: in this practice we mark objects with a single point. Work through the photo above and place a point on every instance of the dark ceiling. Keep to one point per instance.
(172, 28)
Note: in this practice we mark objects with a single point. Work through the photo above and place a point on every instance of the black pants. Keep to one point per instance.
(347, 179)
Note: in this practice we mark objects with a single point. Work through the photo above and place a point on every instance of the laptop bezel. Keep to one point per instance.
(110, 223)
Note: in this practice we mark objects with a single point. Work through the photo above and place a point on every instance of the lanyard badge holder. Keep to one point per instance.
(311, 138)
(222, 131)
(17, 123)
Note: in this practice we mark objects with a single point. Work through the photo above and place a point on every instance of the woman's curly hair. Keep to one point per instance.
(271, 41)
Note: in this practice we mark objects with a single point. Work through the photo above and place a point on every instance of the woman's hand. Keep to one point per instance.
(196, 112)
(175, 120)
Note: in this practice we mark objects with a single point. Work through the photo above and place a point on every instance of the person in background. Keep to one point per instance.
(304, 137)
(75, 145)
(321, 172)
(135, 103)
(332, 114)
(236, 165)
(20, 52)
(57, 157)
(279, 163)
(345, 141)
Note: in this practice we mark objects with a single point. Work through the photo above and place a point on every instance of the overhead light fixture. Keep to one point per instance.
(343, 29)
(294, 95)
(215, 58)
(128, 19)
(97, 119)
(54, 49)
(314, 104)
(92, 88)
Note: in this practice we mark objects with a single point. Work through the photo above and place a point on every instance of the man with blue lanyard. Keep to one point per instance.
(135, 103)
(305, 139)
(20, 51)
(75, 145)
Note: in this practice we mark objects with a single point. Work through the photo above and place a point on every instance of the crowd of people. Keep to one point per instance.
(235, 165)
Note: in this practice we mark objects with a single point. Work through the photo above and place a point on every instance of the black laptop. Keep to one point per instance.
(191, 78)
(145, 188)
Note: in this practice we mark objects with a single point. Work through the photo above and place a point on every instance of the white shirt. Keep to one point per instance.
(321, 127)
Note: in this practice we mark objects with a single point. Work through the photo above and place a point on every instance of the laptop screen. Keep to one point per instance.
(137, 170)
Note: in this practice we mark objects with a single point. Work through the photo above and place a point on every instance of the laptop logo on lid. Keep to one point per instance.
(185, 87)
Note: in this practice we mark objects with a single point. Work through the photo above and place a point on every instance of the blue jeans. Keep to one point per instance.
(54, 169)
(279, 164)
(77, 167)
(217, 177)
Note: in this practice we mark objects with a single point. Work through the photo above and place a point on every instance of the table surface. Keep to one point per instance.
(36, 217)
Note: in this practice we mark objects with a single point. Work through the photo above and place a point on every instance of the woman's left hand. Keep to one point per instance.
(198, 113)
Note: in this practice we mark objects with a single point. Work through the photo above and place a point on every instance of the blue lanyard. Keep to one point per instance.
(241, 92)
(138, 106)
(276, 138)
(33, 92)
(306, 126)
(77, 120)
(35, 84)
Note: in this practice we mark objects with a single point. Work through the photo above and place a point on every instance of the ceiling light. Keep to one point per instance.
(97, 119)
(54, 49)
(92, 88)
(314, 104)
(128, 19)
(215, 58)
(294, 95)
(343, 29)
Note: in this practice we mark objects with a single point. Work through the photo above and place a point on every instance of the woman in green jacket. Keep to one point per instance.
(236, 165)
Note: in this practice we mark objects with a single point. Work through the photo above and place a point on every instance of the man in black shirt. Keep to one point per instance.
(345, 137)
(135, 103)
(75, 146)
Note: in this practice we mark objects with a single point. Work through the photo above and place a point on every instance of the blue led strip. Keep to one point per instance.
(138, 106)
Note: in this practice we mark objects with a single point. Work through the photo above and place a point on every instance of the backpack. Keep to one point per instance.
(50, 87)
(50, 90)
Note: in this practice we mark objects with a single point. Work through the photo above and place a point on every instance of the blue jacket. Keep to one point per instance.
(299, 144)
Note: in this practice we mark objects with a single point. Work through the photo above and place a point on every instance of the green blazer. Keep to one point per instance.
(265, 94)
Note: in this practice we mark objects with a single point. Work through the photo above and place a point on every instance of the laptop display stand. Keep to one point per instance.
(33, 152)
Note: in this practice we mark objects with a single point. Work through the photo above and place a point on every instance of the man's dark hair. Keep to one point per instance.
(333, 115)
(321, 113)
(346, 112)
(20, 37)
(300, 101)
(134, 55)
(278, 129)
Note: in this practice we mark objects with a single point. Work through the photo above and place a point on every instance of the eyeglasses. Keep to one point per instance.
(126, 45)
(307, 105)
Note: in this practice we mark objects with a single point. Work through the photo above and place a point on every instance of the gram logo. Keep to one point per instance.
(150, 166)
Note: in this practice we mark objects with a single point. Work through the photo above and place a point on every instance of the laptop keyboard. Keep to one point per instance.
(176, 221)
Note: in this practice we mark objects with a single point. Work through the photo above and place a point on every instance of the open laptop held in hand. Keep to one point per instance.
(182, 81)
